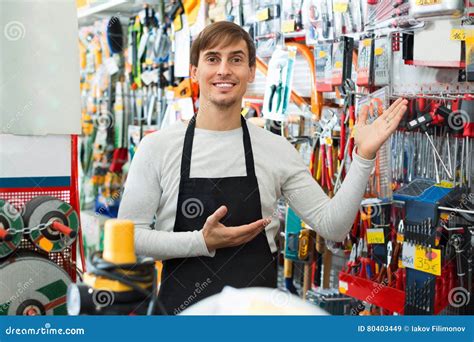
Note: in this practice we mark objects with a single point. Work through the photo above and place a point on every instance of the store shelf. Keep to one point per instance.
(371, 292)
(87, 15)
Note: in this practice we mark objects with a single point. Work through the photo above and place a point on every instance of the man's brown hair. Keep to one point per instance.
(221, 32)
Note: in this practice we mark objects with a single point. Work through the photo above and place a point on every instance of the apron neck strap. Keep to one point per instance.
(188, 147)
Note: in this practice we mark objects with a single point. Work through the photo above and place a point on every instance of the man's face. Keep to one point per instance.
(223, 73)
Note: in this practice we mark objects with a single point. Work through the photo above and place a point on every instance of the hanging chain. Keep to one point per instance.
(29, 230)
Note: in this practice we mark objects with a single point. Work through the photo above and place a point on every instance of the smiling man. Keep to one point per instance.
(210, 187)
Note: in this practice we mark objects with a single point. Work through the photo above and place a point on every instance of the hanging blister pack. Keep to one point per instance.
(278, 84)
(323, 57)
(240, 12)
(292, 16)
(347, 17)
(365, 62)
(342, 60)
(267, 32)
(337, 63)
(248, 17)
(380, 13)
(355, 13)
(430, 8)
(318, 21)
(382, 59)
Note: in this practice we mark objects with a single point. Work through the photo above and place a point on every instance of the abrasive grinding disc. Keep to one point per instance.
(32, 285)
(46, 209)
(11, 219)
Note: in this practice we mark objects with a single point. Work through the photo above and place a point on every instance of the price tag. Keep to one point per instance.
(375, 236)
(428, 260)
(427, 2)
(322, 54)
(408, 255)
(343, 286)
(461, 34)
(263, 14)
(445, 184)
(288, 26)
(378, 51)
(340, 6)
(366, 42)
(338, 65)
(458, 34)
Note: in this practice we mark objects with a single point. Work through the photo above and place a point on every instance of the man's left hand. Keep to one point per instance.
(369, 137)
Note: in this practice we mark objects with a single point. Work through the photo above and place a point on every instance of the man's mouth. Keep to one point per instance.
(223, 85)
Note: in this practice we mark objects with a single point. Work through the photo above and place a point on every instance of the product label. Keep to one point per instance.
(288, 26)
(428, 260)
(375, 236)
(263, 14)
(427, 2)
(343, 286)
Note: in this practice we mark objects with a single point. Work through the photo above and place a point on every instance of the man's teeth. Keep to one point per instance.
(224, 85)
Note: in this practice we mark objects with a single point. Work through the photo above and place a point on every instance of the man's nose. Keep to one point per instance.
(224, 69)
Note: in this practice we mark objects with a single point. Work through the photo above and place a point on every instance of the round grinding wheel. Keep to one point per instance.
(32, 285)
(10, 218)
(47, 209)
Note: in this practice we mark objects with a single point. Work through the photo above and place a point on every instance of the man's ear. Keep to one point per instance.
(194, 73)
(252, 74)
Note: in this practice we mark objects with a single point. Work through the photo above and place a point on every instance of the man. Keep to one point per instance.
(210, 182)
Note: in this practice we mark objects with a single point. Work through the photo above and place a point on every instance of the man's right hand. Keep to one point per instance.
(216, 235)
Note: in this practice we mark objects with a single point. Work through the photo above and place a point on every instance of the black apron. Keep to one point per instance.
(185, 281)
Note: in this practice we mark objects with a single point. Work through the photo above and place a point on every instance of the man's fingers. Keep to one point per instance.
(363, 115)
(395, 108)
(396, 117)
(248, 230)
(259, 224)
(217, 215)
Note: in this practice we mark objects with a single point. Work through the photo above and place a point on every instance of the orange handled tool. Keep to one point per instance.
(5, 235)
(63, 229)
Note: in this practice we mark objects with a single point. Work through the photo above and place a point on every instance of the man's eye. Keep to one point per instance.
(237, 59)
(212, 59)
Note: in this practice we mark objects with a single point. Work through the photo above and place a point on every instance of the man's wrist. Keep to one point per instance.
(364, 154)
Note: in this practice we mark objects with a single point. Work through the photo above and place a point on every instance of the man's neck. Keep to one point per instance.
(218, 119)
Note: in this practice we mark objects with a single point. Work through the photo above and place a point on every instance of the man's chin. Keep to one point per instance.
(223, 104)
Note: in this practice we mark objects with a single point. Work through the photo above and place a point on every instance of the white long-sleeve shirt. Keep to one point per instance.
(153, 183)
